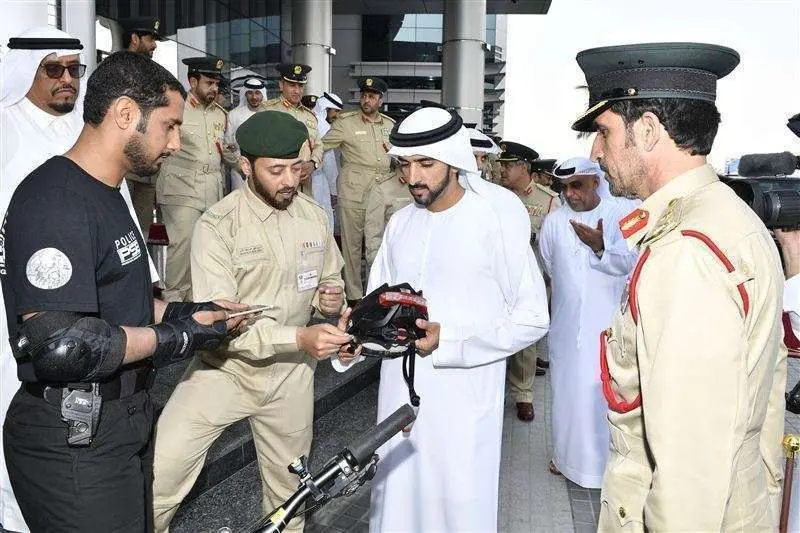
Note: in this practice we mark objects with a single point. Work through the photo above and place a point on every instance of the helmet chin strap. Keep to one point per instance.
(409, 359)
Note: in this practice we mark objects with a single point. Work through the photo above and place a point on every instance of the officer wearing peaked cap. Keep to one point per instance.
(248, 245)
(363, 138)
(695, 351)
(140, 34)
(293, 78)
(516, 163)
(191, 179)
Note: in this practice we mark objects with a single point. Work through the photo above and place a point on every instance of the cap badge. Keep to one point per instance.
(219, 64)
(298, 69)
(503, 147)
(155, 25)
(368, 82)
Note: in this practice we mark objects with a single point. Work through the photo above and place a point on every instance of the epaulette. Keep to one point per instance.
(347, 114)
(387, 117)
(667, 222)
(222, 108)
(550, 192)
(271, 102)
(219, 211)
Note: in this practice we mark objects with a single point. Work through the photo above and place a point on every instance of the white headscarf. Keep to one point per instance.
(477, 135)
(325, 102)
(455, 150)
(18, 67)
(583, 166)
(243, 90)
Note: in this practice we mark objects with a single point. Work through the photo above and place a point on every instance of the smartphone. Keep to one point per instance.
(252, 310)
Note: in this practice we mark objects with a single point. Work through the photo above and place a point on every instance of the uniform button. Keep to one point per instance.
(131, 410)
(622, 512)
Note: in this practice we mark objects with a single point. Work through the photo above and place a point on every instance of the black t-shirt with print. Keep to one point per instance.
(68, 243)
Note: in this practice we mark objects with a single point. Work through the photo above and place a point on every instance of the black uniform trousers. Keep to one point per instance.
(103, 488)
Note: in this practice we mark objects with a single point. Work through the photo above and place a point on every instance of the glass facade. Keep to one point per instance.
(243, 32)
(415, 37)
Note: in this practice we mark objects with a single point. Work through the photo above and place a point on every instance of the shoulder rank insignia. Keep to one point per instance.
(668, 221)
(633, 222)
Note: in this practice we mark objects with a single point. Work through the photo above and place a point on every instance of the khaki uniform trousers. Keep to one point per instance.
(143, 196)
(206, 401)
(521, 371)
(180, 221)
(351, 222)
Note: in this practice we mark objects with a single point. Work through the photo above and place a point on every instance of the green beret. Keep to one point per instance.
(272, 134)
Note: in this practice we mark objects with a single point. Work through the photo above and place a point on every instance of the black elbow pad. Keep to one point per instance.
(67, 347)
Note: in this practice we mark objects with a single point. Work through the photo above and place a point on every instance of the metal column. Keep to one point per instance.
(463, 57)
(79, 21)
(312, 36)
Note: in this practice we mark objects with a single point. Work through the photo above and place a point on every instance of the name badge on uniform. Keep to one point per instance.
(307, 280)
(360, 132)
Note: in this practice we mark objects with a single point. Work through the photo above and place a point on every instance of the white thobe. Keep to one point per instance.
(475, 267)
(29, 137)
(236, 118)
(585, 292)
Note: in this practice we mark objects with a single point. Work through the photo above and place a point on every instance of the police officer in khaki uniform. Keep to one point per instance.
(542, 172)
(693, 366)
(383, 201)
(292, 85)
(516, 161)
(190, 180)
(363, 138)
(263, 244)
(140, 35)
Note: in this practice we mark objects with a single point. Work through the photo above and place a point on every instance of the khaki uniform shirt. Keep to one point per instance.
(246, 251)
(383, 201)
(192, 176)
(364, 161)
(695, 356)
(307, 117)
(538, 201)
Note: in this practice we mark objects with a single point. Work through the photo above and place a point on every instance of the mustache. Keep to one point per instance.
(417, 186)
(287, 190)
(62, 87)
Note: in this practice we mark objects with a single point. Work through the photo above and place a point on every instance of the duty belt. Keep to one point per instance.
(125, 384)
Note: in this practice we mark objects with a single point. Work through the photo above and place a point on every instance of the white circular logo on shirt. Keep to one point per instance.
(48, 268)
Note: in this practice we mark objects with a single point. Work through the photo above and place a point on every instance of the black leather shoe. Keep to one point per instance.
(525, 411)
(541, 363)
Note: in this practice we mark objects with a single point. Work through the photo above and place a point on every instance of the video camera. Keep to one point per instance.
(763, 184)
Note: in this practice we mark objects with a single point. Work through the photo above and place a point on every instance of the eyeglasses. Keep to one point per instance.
(56, 70)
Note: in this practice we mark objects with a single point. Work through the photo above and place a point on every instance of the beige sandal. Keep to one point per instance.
(551, 467)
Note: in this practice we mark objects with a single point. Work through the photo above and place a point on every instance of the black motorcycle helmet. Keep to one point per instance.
(384, 321)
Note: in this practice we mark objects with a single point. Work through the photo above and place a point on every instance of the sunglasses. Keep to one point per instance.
(56, 70)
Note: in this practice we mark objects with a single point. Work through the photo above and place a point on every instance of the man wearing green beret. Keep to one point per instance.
(265, 244)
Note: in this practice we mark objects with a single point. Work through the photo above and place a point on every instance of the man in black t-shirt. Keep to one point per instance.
(84, 326)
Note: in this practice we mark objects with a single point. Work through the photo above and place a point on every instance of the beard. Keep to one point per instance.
(433, 194)
(281, 203)
(62, 107)
(141, 164)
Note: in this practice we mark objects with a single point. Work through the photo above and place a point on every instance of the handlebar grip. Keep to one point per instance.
(370, 441)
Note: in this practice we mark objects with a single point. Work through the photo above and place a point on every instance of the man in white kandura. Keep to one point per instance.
(251, 94)
(324, 179)
(588, 261)
(40, 117)
(466, 244)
